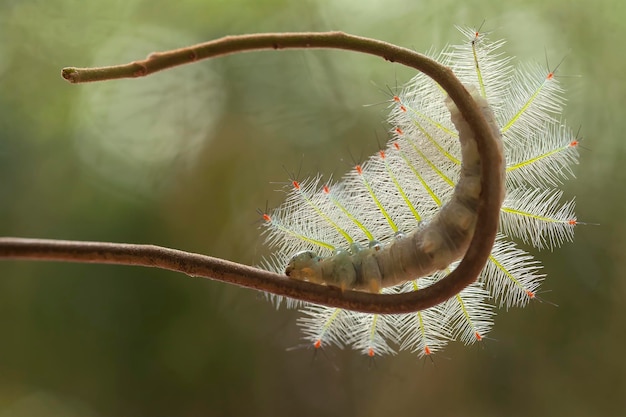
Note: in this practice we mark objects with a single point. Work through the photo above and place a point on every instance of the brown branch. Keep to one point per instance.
(159, 61)
(221, 270)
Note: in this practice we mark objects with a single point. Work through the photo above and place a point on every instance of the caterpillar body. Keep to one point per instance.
(429, 248)
(410, 210)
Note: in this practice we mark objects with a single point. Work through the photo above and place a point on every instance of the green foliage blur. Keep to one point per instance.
(185, 157)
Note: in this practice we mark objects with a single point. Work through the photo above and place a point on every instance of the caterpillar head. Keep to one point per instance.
(304, 266)
(338, 270)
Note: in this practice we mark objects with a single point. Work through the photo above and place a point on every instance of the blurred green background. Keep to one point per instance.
(184, 158)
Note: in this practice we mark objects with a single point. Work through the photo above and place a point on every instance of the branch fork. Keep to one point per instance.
(221, 270)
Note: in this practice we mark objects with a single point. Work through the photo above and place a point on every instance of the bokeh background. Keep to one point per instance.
(184, 159)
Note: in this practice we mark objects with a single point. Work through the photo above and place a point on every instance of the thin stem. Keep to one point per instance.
(221, 270)
(159, 61)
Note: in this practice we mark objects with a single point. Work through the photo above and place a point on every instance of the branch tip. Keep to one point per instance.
(69, 74)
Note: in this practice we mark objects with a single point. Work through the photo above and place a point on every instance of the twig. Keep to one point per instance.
(221, 270)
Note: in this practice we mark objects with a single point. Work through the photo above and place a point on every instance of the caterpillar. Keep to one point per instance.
(425, 250)
(409, 210)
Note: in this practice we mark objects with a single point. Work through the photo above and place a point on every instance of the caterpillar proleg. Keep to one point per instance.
(399, 221)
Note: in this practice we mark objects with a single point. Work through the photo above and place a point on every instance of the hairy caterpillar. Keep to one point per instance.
(425, 250)
(333, 233)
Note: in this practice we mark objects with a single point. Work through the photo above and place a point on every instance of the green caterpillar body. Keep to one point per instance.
(431, 247)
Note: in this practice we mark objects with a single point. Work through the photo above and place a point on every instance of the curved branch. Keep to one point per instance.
(475, 258)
